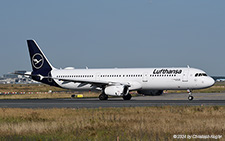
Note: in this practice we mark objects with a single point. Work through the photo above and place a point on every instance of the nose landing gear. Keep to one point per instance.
(190, 97)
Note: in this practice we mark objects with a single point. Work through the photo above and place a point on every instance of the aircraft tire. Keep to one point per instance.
(190, 98)
(127, 97)
(103, 97)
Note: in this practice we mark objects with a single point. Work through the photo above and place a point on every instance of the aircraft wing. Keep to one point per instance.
(93, 82)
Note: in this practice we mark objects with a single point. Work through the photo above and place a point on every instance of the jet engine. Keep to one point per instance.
(150, 92)
(120, 90)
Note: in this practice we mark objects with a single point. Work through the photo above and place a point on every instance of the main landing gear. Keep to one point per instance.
(190, 97)
(127, 97)
(103, 96)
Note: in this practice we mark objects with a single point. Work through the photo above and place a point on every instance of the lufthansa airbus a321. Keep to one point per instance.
(117, 82)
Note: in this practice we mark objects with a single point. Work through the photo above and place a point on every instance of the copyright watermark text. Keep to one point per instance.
(197, 136)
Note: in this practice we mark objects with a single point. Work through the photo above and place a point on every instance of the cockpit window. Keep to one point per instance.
(200, 74)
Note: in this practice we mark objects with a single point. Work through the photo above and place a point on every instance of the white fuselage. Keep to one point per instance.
(116, 82)
(137, 78)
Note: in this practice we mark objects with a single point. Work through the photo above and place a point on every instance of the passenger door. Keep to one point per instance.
(97, 76)
(145, 77)
(185, 75)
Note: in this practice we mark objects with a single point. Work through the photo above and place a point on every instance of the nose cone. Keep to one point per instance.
(210, 81)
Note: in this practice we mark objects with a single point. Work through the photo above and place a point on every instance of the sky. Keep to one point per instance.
(115, 33)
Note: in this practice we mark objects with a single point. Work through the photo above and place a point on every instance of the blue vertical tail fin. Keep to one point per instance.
(39, 62)
(41, 66)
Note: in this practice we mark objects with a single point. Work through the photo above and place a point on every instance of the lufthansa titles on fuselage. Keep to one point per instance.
(166, 71)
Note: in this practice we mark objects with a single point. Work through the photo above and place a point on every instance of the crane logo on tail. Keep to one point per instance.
(37, 61)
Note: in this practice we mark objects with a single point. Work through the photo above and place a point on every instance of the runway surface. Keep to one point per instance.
(140, 101)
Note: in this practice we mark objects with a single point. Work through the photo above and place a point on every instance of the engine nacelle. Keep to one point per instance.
(150, 92)
(120, 90)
